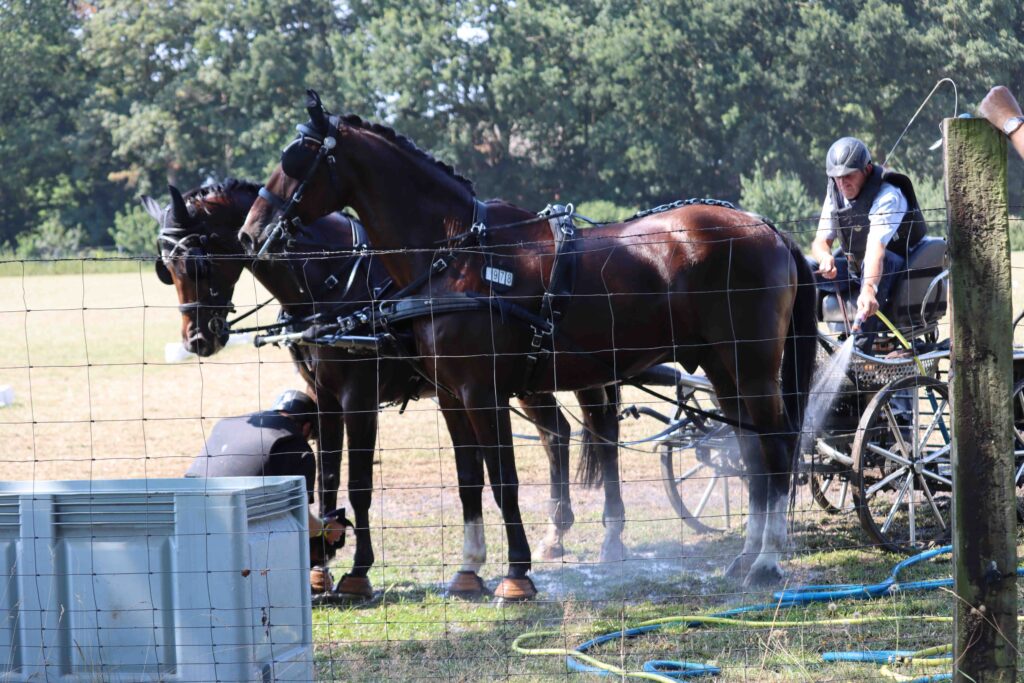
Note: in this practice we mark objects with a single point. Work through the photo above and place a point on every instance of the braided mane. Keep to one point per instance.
(196, 198)
(406, 144)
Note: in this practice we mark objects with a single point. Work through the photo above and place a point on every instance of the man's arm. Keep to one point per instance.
(821, 247)
(998, 107)
(871, 274)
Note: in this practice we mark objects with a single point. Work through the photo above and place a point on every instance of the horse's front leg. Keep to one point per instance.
(469, 467)
(361, 424)
(331, 434)
(493, 427)
(554, 433)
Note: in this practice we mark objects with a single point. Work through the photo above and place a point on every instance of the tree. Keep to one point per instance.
(41, 82)
(199, 88)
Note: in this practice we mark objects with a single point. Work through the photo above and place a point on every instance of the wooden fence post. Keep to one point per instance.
(984, 502)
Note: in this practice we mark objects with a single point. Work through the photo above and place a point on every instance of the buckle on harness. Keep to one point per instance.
(439, 265)
(538, 336)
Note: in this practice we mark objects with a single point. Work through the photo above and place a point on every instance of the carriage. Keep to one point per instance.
(882, 446)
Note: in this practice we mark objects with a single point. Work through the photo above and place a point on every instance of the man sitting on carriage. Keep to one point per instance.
(875, 214)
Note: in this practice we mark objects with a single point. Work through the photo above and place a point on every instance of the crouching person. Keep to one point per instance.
(272, 443)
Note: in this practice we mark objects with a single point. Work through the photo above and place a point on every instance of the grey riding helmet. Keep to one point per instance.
(297, 404)
(845, 156)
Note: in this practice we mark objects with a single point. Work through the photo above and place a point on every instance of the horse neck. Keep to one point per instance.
(408, 205)
(296, 280)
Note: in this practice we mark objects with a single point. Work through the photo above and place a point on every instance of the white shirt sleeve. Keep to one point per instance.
(825, 226)
(886, 213)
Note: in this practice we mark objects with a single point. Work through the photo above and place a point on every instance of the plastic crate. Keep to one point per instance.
(155, 580)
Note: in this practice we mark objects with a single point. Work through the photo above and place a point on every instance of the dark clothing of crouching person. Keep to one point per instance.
(273, 443)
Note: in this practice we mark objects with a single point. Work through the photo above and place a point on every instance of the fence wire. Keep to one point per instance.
(153, 577)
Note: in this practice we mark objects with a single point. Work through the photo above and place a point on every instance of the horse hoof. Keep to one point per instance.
(320, 580)
(550, 553)
(739, 567)
(465, 585)
(764, 576)
(356, 587)
(514, 589)
(613, 551)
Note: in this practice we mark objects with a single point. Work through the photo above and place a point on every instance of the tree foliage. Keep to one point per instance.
(537, 102)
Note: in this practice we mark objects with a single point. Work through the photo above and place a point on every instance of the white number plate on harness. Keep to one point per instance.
(498, 276)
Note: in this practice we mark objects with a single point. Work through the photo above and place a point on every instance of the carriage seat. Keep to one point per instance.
(927, 260)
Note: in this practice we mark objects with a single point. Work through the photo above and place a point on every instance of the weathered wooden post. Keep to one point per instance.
(984, 514)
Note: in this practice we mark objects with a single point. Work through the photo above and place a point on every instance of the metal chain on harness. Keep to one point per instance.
(682, 202)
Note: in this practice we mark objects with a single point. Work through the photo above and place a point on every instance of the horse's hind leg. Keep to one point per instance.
(722, 379)
(769, 462)
(554, 433)
(600, 413)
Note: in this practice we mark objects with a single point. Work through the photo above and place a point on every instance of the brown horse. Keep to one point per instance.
(702, 285)
(201, 256)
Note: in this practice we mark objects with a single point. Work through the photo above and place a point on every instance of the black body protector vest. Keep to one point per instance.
(852, 222)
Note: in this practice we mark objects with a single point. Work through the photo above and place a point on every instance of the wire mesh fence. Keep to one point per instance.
(95, 388)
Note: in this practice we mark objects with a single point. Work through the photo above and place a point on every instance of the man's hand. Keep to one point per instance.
(333, 531)
(827, 266)
(867, 305)
(998, 106)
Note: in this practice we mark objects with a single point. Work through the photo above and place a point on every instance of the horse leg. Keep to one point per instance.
(361, 423)
(467, 583)
(493, 428)
(331, 435)
(768, 458)
(600, 414)
(723, 379)
(554, 433)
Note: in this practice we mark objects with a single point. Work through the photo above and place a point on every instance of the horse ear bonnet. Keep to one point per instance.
(162, 273)
(297, 159)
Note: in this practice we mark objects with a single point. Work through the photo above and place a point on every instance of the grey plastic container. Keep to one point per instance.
(155, 580)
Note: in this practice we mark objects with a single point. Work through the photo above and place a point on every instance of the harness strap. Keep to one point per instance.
(561, 286)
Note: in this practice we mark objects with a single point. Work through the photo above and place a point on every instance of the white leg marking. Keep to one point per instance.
(474, 547)
(774, 542)
(755, 531)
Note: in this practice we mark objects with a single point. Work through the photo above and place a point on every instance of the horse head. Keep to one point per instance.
(303, 187)
(338, 161)
(199, 255)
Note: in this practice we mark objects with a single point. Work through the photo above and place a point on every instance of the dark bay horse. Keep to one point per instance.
(201, 256)
(702, 285)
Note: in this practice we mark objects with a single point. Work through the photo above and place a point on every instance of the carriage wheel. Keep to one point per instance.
(834, 491)
(1018, 445)
(902, 457)
(703, 497)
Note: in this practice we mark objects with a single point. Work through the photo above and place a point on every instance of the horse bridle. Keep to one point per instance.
(191, 246)
(287, 222)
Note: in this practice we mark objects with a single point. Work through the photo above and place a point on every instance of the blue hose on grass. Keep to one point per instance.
(792, 598)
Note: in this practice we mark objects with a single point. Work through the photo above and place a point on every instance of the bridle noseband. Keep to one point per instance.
(191, 246)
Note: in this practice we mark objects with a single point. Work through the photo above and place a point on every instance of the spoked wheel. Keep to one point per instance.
(834, 491)
(707, 491)
(902, 458)
(1018, 445)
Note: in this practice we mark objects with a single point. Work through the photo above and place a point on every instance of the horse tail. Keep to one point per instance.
(600, 434)
(801, 343)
